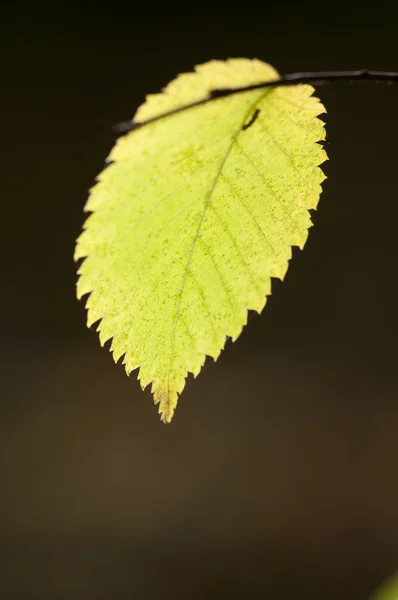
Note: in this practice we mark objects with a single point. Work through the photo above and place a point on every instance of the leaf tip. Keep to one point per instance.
(165, 395)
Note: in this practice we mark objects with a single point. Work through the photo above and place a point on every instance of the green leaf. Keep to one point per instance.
(194, 215)
(388, 591)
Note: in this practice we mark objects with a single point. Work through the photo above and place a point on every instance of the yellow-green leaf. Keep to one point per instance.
(388, 591)
(194, 215)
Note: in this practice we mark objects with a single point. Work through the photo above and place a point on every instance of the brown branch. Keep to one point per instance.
(315, 78)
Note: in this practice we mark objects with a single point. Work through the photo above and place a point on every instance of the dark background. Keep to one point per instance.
(278, 476)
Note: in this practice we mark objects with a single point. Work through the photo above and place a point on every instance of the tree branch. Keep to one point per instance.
(315, 78)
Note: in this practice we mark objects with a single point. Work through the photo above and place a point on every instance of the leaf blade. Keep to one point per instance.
(170, 269)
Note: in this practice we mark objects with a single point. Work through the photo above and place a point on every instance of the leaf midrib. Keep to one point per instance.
(197, 232)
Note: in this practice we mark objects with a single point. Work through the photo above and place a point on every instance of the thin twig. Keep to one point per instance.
(315, 78)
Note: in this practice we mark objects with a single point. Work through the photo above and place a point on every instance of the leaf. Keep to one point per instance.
(388, 591)
(194, 215)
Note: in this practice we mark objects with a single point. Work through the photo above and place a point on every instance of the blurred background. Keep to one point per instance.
(278, 475)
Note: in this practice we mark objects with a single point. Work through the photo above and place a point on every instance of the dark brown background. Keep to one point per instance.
(278, 476)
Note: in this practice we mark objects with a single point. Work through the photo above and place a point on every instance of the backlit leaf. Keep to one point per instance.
(194, 215)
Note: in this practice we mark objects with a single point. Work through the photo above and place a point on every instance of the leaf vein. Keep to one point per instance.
(243, 203)
(233, 240)
(197, 232)
(267, 184)
(265, 128)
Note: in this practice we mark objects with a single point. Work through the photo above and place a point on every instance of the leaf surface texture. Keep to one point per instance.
(194, 215)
